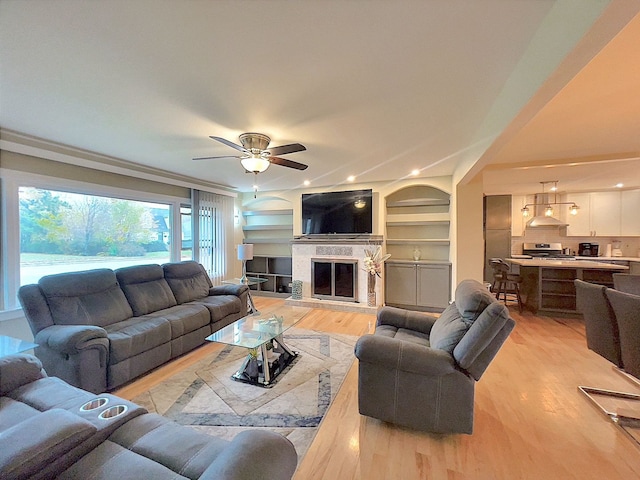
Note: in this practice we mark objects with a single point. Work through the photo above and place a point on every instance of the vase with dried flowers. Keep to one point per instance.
(373, 261)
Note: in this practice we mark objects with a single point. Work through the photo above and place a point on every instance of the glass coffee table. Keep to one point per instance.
(262, 335)
(10, 345)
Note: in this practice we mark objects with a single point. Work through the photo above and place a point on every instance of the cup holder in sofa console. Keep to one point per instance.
(93, 404)
(113, 412)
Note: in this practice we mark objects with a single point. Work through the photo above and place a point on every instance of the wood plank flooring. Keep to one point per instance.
(530, 420)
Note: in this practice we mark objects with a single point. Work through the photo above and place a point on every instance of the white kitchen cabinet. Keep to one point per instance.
(630, 213)
(518, 222)
(605, 213)
(580, 224)
(418, 285)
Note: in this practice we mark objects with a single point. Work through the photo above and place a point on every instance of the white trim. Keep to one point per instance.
(16, 142)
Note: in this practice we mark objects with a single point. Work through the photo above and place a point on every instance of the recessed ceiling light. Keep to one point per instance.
(415, 172)
(619, 185)
(351, 178)
(307, 183)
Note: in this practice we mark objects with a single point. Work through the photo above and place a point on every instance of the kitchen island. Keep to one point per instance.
(547, 285)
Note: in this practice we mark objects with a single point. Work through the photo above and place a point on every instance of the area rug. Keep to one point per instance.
(205, 397)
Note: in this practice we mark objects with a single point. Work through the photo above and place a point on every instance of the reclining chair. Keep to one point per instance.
(419, 371)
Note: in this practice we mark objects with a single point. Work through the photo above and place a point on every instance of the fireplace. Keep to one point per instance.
(333, 279)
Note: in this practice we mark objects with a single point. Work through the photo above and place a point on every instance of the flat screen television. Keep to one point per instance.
(337, 212)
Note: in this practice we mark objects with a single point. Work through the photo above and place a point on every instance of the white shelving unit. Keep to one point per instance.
(270, 230)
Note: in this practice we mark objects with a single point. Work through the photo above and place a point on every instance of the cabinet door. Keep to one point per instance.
(518, 222)
(605, 213)
(580, 224)
(400, 283)
(434, 285)
(629, 216)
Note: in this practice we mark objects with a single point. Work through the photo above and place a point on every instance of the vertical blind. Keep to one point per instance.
(213, 233)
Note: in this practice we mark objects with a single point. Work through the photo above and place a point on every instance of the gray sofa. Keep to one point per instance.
(419, 370)
(98, 329)
(50, 429)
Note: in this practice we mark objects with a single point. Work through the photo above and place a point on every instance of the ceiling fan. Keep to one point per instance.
(256, 156)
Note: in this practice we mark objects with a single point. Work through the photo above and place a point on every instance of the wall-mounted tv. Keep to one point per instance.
(337, 212)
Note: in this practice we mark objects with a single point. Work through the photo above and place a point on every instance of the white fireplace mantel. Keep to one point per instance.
(334, 248)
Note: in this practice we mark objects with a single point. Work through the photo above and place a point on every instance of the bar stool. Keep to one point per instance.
(505, 283)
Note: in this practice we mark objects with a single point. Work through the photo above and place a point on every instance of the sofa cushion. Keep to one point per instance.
(92, 297)
(471, 298)
(448, 329)
(220, 305)
(145, 288)
(185, 318)
(188, 280)
(33, 444)
(136, 335)
(13, 412)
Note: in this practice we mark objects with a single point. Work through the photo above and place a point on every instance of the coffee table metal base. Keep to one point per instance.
(253, 370)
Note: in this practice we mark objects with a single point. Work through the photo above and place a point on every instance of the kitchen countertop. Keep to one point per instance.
(588, 264)
(624, 259)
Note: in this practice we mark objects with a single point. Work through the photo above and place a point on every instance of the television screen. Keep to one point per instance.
(337, 212)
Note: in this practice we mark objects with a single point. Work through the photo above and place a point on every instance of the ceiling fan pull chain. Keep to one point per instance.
(255, 185)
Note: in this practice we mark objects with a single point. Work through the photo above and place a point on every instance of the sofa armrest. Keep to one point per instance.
(405, 356)
(71, 339)
(17, 370)
(401, 318)
(229, 289)
(254, 454)
(31, 445)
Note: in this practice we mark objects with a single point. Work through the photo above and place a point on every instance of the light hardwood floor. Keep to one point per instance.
(530, 420)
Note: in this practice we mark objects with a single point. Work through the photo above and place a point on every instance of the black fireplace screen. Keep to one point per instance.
(334, 279)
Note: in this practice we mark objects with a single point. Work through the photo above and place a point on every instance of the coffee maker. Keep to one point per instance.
(587, 249)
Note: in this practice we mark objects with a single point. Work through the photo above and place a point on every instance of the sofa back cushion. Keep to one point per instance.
(92, 297)
(145, 288)
(471, 298)
(188, 280)
(448, 329)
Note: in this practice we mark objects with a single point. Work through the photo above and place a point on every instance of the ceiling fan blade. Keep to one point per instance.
(287, 163)
(228, 143)
(284, 149)
(215, 158)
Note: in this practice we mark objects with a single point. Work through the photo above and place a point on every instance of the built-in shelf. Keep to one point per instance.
(276, 270)
(282, 211)
(414, 241)
(418, 223)
(417, 202)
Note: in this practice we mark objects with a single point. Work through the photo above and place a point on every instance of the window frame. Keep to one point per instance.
(10, 213)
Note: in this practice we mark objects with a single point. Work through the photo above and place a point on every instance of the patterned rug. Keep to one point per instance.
(207, 399)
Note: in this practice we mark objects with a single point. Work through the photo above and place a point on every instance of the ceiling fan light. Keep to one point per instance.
(359, 203)
(255, 164)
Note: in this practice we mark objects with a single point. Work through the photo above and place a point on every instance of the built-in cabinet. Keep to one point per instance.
(612, 213)
(418, 285)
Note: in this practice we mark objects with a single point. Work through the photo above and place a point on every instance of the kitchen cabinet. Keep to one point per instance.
(599, 214)
(630, 219)
(418, 285)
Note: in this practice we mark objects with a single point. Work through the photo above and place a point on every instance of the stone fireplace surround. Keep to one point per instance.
(334, 247)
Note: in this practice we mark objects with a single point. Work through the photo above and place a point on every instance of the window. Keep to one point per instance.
(186, 249)
(63, 232)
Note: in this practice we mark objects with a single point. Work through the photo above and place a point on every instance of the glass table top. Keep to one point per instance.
(255, 330)
(10, 345)
(249, 281)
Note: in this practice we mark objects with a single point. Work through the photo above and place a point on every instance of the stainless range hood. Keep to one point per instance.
(540, 219)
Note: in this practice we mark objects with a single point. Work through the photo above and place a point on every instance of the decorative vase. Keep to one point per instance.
(371, 290)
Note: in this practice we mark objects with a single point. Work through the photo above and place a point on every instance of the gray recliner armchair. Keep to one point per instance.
(419, 370)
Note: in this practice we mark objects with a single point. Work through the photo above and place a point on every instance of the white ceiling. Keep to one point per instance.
(373, 89)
